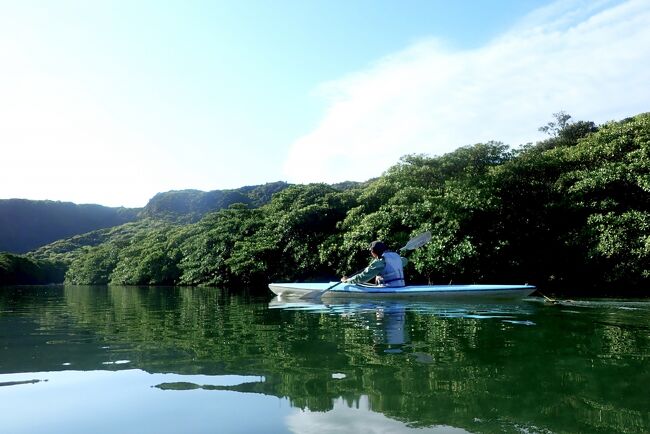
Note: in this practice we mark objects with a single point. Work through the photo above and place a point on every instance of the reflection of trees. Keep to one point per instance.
(572, 372)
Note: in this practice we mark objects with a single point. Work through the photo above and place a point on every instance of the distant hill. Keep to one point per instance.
(28, 224)
(188, 206)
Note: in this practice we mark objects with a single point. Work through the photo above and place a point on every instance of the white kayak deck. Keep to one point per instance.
(314, 290)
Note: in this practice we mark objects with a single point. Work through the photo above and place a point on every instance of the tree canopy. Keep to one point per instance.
(570, 214)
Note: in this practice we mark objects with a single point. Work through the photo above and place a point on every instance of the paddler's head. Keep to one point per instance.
(377, 248)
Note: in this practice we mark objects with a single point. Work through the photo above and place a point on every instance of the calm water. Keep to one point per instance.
(165, 360)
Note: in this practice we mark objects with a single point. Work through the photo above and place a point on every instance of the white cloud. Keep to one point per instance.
(590, 59)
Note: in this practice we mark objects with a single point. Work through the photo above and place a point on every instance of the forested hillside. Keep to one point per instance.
(189, 206)
(569, 214)
(28, 224)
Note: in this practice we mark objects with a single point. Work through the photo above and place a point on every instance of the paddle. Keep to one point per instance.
(413, 244)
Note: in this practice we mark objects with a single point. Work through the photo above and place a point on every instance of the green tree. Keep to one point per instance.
(607, 185)
(209, 244)
(94, 267)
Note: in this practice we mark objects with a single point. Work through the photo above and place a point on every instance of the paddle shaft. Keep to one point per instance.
(339, 282)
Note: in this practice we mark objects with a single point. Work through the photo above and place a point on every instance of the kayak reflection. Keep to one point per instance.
(387, 319)
(444, 309)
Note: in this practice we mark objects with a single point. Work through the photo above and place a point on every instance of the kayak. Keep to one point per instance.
(320, 290)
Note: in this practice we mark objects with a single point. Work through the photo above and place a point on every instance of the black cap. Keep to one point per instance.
(378, 247)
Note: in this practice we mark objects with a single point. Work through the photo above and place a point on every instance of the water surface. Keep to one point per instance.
(166, 360)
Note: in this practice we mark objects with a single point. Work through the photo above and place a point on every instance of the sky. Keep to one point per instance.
(111, 102)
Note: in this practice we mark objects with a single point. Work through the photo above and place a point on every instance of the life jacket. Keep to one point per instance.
(393, 274)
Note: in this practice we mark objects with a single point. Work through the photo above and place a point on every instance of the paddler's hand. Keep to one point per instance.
(344, 279)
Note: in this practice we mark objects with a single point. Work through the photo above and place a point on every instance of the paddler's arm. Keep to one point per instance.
(372, 270)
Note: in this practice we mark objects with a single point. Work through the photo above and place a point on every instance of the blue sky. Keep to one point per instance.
(111, 102)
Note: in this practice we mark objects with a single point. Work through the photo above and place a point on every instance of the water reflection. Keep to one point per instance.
(128, 401)
(445, 308)
(387, 318)
(479, 367)
(357, 418)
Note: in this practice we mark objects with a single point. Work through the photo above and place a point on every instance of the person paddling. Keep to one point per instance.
(387, 268)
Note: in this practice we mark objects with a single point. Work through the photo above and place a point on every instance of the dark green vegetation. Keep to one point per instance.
(28, 225)
(21, 270)
(569, 214)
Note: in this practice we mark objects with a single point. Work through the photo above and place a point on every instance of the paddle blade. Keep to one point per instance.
(418, 241)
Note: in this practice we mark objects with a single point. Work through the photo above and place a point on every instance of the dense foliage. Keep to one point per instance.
(570, 213)
(19, 270)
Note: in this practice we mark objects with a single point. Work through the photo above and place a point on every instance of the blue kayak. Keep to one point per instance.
(320, 290)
